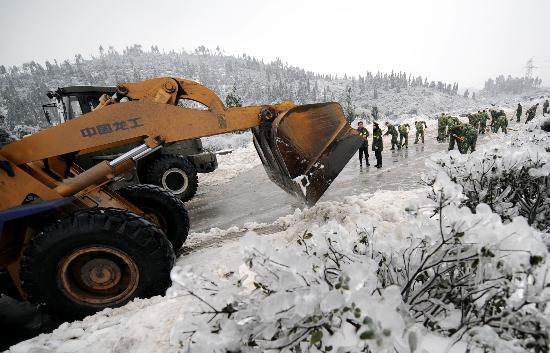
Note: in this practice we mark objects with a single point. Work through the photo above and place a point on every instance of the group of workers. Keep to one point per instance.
(464, 135)
(401, 133)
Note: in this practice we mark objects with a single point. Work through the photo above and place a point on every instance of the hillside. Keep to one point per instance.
(22, 89)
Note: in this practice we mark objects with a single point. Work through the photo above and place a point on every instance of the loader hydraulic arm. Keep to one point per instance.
(141, 111)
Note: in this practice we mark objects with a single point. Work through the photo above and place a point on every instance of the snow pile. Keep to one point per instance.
(231, 165)
(352, 276)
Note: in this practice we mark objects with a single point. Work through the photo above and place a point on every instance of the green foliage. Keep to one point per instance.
(233, 99)
(349, 106)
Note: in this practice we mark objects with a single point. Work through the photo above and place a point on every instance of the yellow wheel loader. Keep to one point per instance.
(72, 240)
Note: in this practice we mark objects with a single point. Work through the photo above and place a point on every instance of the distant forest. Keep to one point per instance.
(23, 88)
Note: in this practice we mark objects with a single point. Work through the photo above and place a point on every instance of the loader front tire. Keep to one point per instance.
(94, 259)
(161, 207)
(174, 173)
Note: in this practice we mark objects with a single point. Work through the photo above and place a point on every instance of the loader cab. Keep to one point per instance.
(174, 167)
(71, 102)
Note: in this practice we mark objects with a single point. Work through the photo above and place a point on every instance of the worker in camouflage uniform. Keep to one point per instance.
(364, 149)
(420, 125)
(494, 116)
(501, 122)
(465, 136)
(473, 119)
(519, 110)
(483, 121)
(404, 134)
(451, 121)
(377, 143)
(393, 132)
(442, 127)
(531, 112)
(545, 107)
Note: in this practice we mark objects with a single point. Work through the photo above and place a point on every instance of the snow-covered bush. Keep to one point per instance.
(482, 280)
(331, 289)
(20, 131)
(512, 177)
(314, 297)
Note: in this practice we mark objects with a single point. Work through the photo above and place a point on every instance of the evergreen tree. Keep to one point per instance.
(374, 112)
(233, 99)
(349, 107)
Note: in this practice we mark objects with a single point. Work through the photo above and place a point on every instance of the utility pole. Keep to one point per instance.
(529, 68)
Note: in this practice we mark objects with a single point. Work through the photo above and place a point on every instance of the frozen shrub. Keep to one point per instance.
(461, 274)
(512, 179)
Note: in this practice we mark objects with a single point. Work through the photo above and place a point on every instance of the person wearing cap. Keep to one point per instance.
(364, 149)
(377, 143)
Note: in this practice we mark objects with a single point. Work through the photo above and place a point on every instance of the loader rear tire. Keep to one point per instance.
(162, 208)
(94, 259)
(174, 173)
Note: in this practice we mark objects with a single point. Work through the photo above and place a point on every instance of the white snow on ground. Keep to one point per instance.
(151, 325)
(230, 165)
(227, 141)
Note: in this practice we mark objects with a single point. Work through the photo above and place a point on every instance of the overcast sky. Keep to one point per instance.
(464, 40)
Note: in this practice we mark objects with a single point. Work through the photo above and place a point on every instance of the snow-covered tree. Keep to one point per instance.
(349, 106)
(233, 99)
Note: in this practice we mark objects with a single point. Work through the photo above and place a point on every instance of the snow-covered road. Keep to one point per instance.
(251, 201)
(252, 197)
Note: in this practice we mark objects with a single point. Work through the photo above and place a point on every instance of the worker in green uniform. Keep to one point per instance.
(377, 143)
(473, 119)
(531, 112)
(393, 132)
(441, 127)
(465, 136)
(451, 121)
(519, 110)
(364, 149)
(501, 122)
(483, 121)
(404, 135)
(420, 125)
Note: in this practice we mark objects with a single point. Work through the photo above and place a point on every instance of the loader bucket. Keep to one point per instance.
(305, 148)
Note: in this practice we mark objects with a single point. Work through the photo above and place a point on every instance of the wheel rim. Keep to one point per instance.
(156, 217)
(98, 275)
(175, 180)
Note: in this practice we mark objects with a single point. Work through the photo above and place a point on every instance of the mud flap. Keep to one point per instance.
(305, 148)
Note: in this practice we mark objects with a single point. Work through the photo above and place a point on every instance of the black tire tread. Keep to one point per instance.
(134, 229)
(177, 236)
(156, 169)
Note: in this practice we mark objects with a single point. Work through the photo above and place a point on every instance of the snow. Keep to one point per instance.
(158, 324)
(227, 141)
(232, 164)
